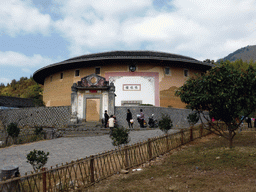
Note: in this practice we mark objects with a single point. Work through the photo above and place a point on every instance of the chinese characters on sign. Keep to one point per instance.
(131, 87)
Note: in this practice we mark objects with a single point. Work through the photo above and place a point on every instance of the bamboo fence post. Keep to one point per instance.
(149, 149)
(167, 142)
(191, 134)
(44, 179)
(182, 136)
(92, 168)
(126, 160)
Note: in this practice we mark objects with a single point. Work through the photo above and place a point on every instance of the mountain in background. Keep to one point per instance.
(246, 54)
(24, 88)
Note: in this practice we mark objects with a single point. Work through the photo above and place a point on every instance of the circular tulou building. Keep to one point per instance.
(117, 78)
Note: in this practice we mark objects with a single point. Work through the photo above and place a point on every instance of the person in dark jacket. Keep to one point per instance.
(106, 118)
(129, 118)
(249, 121)
(141, 118)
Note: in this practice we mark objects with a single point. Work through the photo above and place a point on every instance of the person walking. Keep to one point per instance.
(249, 122)
(106, 118)
(129, 118)
(141, 118)
(111, 124)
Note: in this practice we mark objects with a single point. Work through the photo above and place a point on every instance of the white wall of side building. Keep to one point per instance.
(134, 89)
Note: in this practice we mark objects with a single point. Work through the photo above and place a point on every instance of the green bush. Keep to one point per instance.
(34, 138)
(120, 136)
(13, 130)
(37, 159)
(193, 118)
(38, 130)
(165, 124)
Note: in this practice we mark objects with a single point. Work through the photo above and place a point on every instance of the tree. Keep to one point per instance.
(226, 92)
(209, 61)
(120, 136)
(37, 159)
(193, 118)
(13, 130)
(24, 88)
(165, 124)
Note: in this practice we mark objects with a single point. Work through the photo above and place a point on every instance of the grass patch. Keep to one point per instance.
(206, 164)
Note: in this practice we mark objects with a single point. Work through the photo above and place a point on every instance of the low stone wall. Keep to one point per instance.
(178, 116)
(59, 117)
(37, 116)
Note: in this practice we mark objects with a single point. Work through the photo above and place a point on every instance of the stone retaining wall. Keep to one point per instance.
(37, 116)
(59, 117)
(178, 116)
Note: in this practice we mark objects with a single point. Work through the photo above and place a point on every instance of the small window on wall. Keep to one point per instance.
(97, 70)
(167, 71)
(77, 73)
(61, 75)
(185, 72)
(51, 78)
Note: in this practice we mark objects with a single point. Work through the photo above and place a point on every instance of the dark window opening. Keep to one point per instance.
(185, 72)
(61, 75)
(97, 70)
(167, 71)
(77, 73)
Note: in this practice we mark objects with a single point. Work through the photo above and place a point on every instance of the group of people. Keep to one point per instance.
(111, 121)
(130, 120)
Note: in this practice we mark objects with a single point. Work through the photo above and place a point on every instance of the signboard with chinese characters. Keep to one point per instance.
(131, 87)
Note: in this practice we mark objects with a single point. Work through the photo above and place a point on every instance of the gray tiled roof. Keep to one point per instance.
(130, 54)
(15, 102)
(97, 59)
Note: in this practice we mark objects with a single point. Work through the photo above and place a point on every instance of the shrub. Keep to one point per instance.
(120, 136)
(13, 130)
(165, 124)
(38, 130)
(34, 138)
(37, 159)
(193, 118)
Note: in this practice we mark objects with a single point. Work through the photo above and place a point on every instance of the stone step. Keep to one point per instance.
(86, 125)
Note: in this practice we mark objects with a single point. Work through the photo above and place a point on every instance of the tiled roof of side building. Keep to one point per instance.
(16, 102)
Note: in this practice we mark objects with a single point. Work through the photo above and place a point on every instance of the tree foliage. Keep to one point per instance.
(165, 124)
(120, 136)
(24, 88)
(226, 92)
(193, 118)
(13, 130)
(37, 159)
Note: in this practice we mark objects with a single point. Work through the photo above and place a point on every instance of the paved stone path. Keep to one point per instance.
(64, 150)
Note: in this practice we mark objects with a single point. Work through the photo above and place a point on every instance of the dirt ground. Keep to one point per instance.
(205, 164)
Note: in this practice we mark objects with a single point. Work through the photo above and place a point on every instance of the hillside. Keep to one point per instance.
(24, 88)
(246, 54)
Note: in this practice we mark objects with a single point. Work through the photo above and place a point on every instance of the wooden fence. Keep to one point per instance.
(85, 172)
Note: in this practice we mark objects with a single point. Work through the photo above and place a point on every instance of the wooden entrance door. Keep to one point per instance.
(92, 109)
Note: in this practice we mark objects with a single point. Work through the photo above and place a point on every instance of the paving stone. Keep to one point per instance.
(64, 150)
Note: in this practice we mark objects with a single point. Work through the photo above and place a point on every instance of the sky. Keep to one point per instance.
(37, 33)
